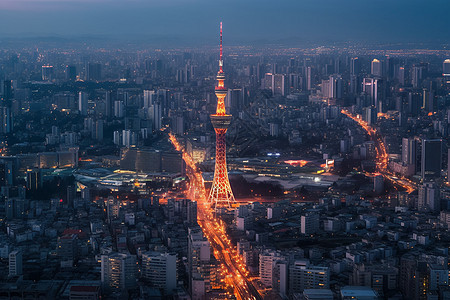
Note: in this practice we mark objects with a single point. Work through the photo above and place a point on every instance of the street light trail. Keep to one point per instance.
(382, 156)
(237, 276)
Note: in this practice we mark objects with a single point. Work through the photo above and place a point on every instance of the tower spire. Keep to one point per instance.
(221, 54)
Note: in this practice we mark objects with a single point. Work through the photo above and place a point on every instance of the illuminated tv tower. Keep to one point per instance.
(221, 194)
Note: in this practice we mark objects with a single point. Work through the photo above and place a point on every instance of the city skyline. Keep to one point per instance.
(305, 157)
(189, 23)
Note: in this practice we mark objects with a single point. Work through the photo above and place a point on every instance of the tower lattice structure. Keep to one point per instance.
(221, 194)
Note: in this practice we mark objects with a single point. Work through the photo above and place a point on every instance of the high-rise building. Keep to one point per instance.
(199, 263)
(266, 260)
(71, 73)
(371, 87)
(370, 115)
(7, 89)
(94, 71)
(279, 84)
(112, 208)
(308, 78)
(439, 276)
(118, 271)
(280, 275)
(83, 103)
(429, 199)
(448, 166)
(68, 248)
(119, 109)
(160, 269)
(15, 263)
(401, 76)
(149, 98)
(378, 184)
(355, 66)
(6, 120)
(376, 68)
(99, 130)
(414, 103)
(108, 104)
(446, 68)
(156, 114)
(309, 223)
(34, 179)
(221, 193)
(304, 276)
(416, 76)
(431, 158)
(409, 151)
(192, 212)
(335, 87)
(47, 73)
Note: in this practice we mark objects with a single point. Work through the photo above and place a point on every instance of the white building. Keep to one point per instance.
(199, 264)
(161, 270)
(266, 260)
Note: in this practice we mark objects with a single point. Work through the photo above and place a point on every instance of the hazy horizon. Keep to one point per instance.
(195, 22)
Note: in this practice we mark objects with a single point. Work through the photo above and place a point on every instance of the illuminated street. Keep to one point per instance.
(237, 277)
(382, 156)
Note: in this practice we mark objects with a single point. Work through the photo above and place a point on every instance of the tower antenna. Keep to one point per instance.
(221, 54)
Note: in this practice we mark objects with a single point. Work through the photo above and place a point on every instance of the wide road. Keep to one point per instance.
(232, 265)
(382, 155)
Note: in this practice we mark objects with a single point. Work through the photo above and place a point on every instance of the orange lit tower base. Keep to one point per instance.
(221, 194)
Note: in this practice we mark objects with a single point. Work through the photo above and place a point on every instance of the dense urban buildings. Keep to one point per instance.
(135, 172)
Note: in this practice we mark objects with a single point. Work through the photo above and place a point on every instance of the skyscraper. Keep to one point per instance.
(446, 68)
(94, 71)
(448, 166)
(409, 151)
(119, 109)
(376, 68)
(431, 158)
(416, 76)
(149, 98)
(118, 271)
(279, 84)
(371, 88)
(6, 119)
(108, 104)
(308, 78)
(71, 73)
(221, 193)
(83, 103)
(355, 67)
(47, 73)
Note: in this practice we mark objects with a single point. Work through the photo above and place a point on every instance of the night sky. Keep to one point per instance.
(245, 21)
